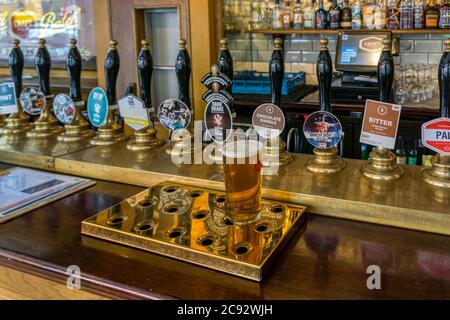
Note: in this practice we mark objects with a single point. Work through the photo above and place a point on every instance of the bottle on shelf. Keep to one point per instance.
(379, 18)
(267, 12)
(400, 151)
(406, 14)
(309, 15)
(334, 15)
(287, 15)
(368, 15)
(256, 13)
(413, 154)
(419, 12)
(444, 15)
(356, 15)
(346, 16)
(431, 15)
(393, 15)
(321, 17)
(277, 17)
(297, 22)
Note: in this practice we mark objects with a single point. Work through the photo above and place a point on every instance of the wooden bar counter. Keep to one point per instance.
(328, 261)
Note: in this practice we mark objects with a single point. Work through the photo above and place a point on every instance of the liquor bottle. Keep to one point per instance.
(267, 12)
(368, 15)
(276, 72)
(444, 16)
(297, 23)
(277, 20)
(183, 72)
(406, 14)
(400, 151)
(385, 72)
(324, 76)
(419, 12)
(393, 15)
(356, 15)
(335, 16)
(287, 16)
(413, 154)
(444, 82)
(431, 15)
(256, 14)
(346, 19)
(321, 17)
(309, 15)
(379, 17)
(145, 72)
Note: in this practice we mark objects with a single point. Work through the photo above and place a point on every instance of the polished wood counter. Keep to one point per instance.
(328, 261)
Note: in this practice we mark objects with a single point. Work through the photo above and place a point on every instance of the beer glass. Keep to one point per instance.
(242, 168)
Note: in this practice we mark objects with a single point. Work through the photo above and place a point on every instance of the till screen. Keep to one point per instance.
(360, 49)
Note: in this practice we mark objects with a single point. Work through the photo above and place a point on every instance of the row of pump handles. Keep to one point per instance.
(385, 74)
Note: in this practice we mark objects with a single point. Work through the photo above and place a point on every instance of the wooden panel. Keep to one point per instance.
(17, 285)
(129, 35)
(102, 34)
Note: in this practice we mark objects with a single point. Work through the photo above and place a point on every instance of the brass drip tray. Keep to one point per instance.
(190, 224)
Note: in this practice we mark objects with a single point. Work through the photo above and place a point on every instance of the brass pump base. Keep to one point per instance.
(382, 166)
(108, 134)
(144, 139)
(16, 123)
(45, 126)
(77, 130)
(439, 174)
(325, 161)
(275, 153)
(182, 145)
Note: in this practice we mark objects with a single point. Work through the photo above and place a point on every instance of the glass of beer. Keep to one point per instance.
(243, 180)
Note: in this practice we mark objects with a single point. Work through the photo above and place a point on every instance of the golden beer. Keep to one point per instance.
(242, 168)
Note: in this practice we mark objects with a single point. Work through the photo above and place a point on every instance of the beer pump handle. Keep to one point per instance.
(112, 66)
(324, 76)
(145, 70)
(444, 81)
(183, 71)
(225, 62)
(74, 64)
(385, 73)
(276, 71)
(43, 64)
(16, 63)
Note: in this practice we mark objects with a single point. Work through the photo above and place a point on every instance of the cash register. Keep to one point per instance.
(357, 57)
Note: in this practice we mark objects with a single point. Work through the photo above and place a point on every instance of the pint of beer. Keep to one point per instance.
(242, 168)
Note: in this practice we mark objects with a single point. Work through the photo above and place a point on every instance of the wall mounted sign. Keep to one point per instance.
(322, 130)
(174, 114)
(8, 100)
(268, 120)
(436, 135)
(97, 107)
(217, 82)
(33, 101)
(64, 108)
(380, 124)
(218, 121)
(134, 113)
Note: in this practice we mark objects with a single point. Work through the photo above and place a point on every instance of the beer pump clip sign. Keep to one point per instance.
(218, 121)
(268, 121)
(8, 99)
(322, 130)
(134, 113)
(64, 108)
(436, 135)
(380, 124)
(97, 107)
(174, 114)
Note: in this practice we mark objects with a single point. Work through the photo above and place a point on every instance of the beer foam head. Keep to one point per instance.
(242, 149)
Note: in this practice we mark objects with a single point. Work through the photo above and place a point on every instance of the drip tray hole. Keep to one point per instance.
(145, 203)
(262, 227)
(171, 209)
(115, 220)
(206, 241)
(242, 248)
(200, 215)
(175, 233)
(220, 199)
(277, 209)
(195, 194)
(170, 189)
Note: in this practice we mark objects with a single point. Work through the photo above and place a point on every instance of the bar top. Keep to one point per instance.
(328, 261)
